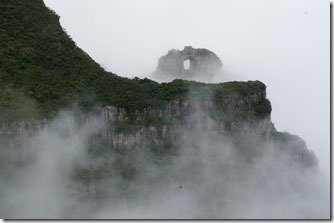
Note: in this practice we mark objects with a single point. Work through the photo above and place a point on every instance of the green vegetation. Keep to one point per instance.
(15, 106)
(37, 56)
(39, 60)
(123, 165)
(240, 88)
(42, 71)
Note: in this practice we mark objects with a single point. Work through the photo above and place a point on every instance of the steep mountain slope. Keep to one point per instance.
(38, 59)
(127, 139)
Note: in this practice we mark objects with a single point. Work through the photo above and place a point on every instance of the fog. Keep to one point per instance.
(60, 171)
(285, 44)
(209, 176)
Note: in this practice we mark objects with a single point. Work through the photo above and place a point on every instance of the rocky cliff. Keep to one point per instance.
(135, 147)
(233, 115)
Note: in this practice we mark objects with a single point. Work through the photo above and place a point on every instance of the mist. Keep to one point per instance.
(61, 168)
(64, 170)
(284, 44)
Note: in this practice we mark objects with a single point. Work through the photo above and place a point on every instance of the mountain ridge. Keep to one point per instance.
(95, 140)
(44, 69)
(39, 60)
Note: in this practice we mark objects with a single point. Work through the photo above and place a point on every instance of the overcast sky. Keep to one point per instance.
(283, 43)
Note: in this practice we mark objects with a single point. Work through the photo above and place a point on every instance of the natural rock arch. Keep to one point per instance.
(202, 62)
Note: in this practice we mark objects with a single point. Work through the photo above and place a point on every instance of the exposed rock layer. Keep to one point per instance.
(161, 128)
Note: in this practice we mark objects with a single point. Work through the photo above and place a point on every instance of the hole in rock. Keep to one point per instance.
(186, 64)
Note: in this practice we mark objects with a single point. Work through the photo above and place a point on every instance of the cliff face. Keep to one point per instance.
(162, 128)
(157, 126)
(205, 150)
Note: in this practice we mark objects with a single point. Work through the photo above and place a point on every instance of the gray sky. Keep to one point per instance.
(284, 43)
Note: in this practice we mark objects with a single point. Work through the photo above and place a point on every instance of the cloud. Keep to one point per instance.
(274, 42)
(66, 172)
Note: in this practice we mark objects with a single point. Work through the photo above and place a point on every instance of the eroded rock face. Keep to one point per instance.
(184, 116)
(189, 63)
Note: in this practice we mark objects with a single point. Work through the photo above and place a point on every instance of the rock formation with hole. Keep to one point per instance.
(202, 63)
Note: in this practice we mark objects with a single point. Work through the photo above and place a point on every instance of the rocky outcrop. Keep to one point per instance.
(160, 128)
(201, 62)
(295, 148)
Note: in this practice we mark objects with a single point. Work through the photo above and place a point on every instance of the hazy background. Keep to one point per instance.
(283, 43)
